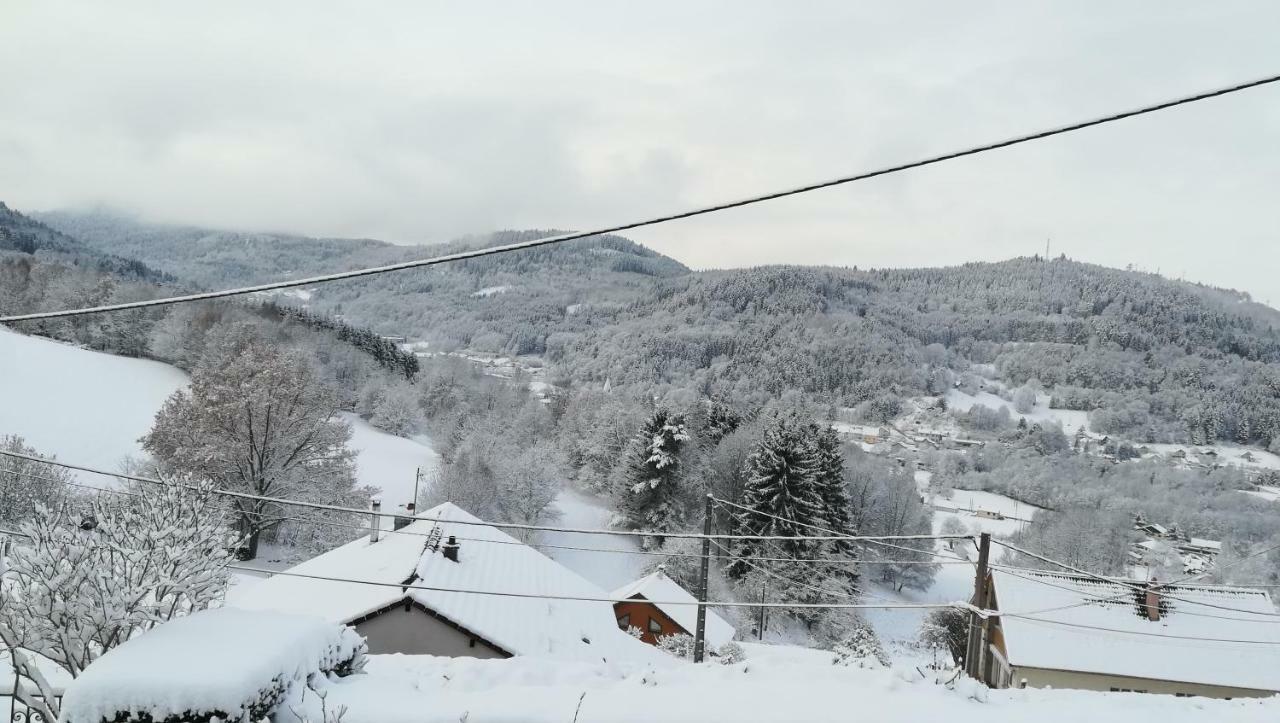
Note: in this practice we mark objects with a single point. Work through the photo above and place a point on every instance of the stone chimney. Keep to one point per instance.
(1151, 602)
(375, 525)
(450, 549)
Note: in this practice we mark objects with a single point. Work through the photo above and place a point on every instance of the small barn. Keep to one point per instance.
(1071, 631)
(405, 597)
(658, 606)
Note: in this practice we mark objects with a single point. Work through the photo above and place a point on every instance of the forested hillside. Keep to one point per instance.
(1155, 359)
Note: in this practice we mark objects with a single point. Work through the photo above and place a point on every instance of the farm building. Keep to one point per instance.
(449, 549)
(658, 606)
(1081, 632)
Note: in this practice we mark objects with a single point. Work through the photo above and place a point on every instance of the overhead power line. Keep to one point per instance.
(612, 551)
(544, 596)
(874, 541)
(479, 523)
(1138, 632)
(1110, 598)
(630, 225)
(1161, 587)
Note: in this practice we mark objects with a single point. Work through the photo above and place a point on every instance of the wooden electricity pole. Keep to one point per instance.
(700, 633)
(974, 649)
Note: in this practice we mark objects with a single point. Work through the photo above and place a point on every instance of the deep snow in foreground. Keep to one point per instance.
(85, 407)
(773, 684)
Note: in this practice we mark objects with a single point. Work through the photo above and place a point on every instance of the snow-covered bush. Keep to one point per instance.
(860, 648)
(25, 484)
(81, 584)
(1024, 400)
(215, 665)
(730, 653)
(948, 629)
(680, 645)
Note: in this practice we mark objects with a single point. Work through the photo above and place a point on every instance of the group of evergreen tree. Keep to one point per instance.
(382, 350)
(795, 487)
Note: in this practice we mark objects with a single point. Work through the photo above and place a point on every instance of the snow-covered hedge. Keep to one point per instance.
(224, 664)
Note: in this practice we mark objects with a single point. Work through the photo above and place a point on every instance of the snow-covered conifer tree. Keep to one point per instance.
(650, 494)
(781, 493)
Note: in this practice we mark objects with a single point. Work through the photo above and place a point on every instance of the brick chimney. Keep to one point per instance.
(1152, 602)
(375, 527)
(450, 549)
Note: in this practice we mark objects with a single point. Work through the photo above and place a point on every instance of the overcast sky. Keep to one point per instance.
(420, 121)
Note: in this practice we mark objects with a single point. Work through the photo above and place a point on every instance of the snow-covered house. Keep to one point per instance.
(658, 606)
(407, 602)
(1069, 631)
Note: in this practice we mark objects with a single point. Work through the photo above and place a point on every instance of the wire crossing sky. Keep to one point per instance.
(424, 122)
(626, 226)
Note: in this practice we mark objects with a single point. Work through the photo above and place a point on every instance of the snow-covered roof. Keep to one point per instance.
(392, 559)
(1206, 544)
(214, 661)
(658, 588)
(1131, 645)
(490, 561)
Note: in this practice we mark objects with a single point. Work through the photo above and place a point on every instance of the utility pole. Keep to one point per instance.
(764, 587)
(973, 650)
(700, 634)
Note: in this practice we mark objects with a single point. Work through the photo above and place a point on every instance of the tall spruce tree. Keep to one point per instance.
(781, 494)
(650, 494)
(830, 483)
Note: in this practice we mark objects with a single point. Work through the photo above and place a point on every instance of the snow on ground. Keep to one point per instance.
(899, 629)
(1270, 494)
(1070, 419)
(773, 684)
(609, 570)
(390, 463)
(82, 406)
(1227, 454)
(491, 290)
(90, 408)
(241, 656)
(964, 506)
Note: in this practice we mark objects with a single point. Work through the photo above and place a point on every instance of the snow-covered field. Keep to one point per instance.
(1227, 454)
(773, 684)
(966, 506)
(82, 406)
(389, 463)
(1070, 419)
(89, 408)
(609, 570)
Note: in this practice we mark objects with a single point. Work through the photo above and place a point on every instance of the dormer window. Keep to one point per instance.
(624, 622)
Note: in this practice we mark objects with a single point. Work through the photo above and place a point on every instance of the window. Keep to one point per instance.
(624, 622)
(655, 627)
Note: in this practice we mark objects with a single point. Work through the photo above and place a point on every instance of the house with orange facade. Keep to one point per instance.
(658, 607)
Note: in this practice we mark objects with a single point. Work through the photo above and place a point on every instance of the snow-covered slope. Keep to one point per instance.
(389, 463)
(609, 570)
(1070, 419)
(90, 408)
(83, 406)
